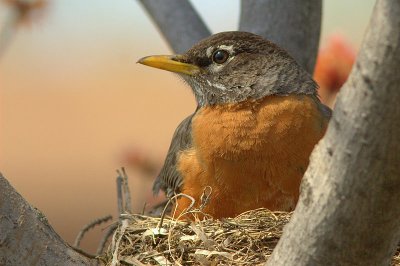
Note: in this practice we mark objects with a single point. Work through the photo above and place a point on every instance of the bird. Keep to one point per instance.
(257, 120)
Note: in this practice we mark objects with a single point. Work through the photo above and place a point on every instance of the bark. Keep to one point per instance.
(349, 211)
(177, 21)
(294, 25)
(26, 238)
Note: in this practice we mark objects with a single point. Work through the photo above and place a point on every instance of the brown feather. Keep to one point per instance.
(252, 154)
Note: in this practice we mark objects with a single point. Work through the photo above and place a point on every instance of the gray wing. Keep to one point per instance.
(169, 179)
(325, 110)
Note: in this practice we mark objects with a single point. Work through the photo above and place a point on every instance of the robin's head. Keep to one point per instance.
(235, 66)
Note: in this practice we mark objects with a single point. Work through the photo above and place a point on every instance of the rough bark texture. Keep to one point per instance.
(177, 21)
(26, 238)
(349, 208)
(294, 25)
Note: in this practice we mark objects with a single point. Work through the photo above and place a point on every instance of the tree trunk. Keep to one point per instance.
(26, 238)
(178, 22)
(293, 25)
(349, 208)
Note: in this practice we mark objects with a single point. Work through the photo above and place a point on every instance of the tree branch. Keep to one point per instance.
(294, 25)
(177, 21)
(349, 210)
(26, 238)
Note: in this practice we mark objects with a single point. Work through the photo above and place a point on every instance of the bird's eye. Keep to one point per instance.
(220, 56)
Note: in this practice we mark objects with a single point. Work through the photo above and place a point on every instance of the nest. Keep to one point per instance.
(248, 239)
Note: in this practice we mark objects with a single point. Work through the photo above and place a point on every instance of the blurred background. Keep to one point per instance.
(75, 106)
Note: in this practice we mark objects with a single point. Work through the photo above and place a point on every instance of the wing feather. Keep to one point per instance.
(169, 179)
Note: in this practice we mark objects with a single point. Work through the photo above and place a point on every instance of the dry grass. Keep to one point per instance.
(245, 240)
(248, 239)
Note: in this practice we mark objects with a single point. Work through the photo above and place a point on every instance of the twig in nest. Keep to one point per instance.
(170, 200)
(106, 236)
(205, 197)
(124, 225)
(89, 226)
(119, 193)
(126, 191)
(144, 208)
(124, 194)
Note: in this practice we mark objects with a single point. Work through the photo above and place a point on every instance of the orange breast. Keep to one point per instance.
(252, 154)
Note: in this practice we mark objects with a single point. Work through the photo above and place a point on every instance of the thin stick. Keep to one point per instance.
(144, 208)
(105, 238)
(89, 226)
(84, 253)
(119, 193)
(126, 191)
(169, 201)
(124, 225)
(205, 197)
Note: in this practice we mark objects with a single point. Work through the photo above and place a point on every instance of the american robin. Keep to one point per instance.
(257, 120)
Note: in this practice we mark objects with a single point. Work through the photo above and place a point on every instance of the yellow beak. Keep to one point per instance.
(168, 63)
